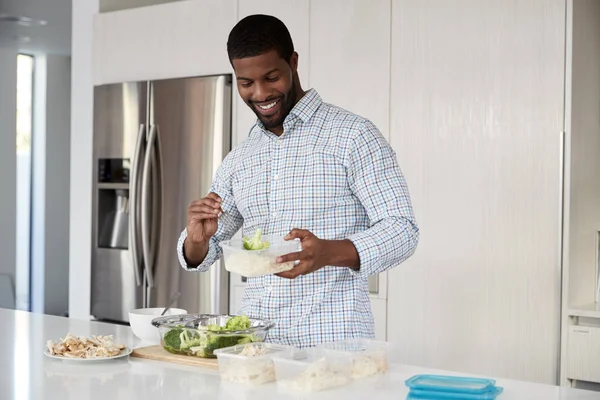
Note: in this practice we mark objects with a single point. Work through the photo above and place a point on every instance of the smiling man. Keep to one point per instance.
(308, 170)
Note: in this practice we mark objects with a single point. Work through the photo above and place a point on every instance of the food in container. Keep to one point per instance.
(250, 363)
(256, 255)
(200, 335)
(312, 370)
(369, 357)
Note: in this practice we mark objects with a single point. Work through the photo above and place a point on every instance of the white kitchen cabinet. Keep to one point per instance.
(583, 362)
(350, 56)
(178, 39)
(477, 110)
(294, 14)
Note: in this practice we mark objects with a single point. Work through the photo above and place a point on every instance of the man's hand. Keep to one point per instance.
(317, 253)
(202, 224)
(312, 257)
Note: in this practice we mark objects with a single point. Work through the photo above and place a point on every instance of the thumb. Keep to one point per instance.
(297, 234)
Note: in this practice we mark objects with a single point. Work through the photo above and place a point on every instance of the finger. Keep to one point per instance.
(300, 269)
(204, 202)
(205, 209)
(299, 255)
(298, 234)
(198, 205)
(214, 196)
(202, 217)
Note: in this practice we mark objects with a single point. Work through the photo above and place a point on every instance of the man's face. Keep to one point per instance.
(266, 84)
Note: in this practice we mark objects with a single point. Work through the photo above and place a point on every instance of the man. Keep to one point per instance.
(307, 170)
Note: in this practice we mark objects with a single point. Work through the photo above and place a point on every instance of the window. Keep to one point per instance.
(25, 65)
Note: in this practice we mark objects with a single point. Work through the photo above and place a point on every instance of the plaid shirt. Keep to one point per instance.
(333, 173)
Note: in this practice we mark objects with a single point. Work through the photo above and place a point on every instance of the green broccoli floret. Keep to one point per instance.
(238, 323)
(247, 339)
(191, 338)
(255, 243)
(219, 342)
(172, 341)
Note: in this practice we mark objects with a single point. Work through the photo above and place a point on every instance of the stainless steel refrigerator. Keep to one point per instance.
(157, 145)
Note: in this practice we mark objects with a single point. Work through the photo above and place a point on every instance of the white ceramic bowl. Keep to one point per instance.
(141, 322)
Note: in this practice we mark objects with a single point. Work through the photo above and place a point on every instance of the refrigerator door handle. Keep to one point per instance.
(134, 206)
(146, 220)
(157, 196)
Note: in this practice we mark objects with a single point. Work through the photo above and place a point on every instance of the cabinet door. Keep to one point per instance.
(172, 40)
(294, 14)
(476, 115)
(350, 56)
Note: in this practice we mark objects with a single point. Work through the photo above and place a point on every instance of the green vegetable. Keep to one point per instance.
(238, 323)
(203, 342)
(255, 243)
(192, 338)
(172, 341)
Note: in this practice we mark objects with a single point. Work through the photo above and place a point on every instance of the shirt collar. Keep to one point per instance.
(303, 110)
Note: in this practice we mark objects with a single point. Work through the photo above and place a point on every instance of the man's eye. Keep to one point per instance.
(246, 84)
(272, 78)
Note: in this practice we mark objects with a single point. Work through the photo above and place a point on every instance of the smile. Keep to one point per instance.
(269, 106)
(267, 109)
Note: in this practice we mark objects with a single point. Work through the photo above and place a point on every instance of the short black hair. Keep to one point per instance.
(258, 34)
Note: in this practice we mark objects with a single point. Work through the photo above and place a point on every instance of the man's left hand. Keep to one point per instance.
(312, 257)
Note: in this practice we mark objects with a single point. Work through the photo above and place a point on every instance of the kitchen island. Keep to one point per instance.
(26, 373)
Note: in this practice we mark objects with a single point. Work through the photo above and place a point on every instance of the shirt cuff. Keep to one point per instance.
(368, 254)
(209, 260)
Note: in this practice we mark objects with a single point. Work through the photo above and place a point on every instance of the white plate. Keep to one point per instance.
(124, 353)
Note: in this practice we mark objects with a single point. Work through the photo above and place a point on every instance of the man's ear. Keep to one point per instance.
(294, 62)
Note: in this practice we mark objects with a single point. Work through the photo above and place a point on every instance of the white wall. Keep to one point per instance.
(8, 162)
(80, 218)
(50, 195)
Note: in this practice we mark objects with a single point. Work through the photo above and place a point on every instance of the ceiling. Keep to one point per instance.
(31, 36)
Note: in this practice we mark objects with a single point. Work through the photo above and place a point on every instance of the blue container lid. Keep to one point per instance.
(452, 384)
(416, 394)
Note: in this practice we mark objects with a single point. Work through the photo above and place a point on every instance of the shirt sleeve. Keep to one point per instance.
(229, 222)
(377, 181)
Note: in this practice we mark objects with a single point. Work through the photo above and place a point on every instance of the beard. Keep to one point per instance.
(288, 101)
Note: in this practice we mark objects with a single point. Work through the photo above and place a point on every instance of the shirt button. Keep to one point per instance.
(275, 215)
(279, 142)
(275, 177)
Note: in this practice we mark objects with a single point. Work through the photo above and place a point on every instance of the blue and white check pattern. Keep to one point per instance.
(333, 173)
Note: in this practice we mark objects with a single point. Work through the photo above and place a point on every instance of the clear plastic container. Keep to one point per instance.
(312, 370)
(258, 262)
(250, 363)
(199, 335)
(369, 357)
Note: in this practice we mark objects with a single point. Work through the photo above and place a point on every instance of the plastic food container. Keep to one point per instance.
(368, 357)
(452, 387)
(250, 363)
(258, 262)
(312, 370)
(200, 335)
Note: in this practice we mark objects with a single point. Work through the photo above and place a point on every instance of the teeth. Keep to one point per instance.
(268, 106)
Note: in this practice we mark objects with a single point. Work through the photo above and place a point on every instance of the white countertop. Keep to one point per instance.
(25, 373)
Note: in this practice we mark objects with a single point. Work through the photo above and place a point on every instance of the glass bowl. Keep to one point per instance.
(199, 335)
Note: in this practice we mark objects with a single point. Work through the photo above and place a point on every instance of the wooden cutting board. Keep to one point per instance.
(159, 354)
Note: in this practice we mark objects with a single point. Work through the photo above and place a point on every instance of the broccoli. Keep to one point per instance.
(172, 340)
(219, 342)
(238, 323)
(191, 338)
(255, 243)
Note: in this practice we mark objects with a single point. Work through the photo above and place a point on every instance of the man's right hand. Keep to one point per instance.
(202, 224)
